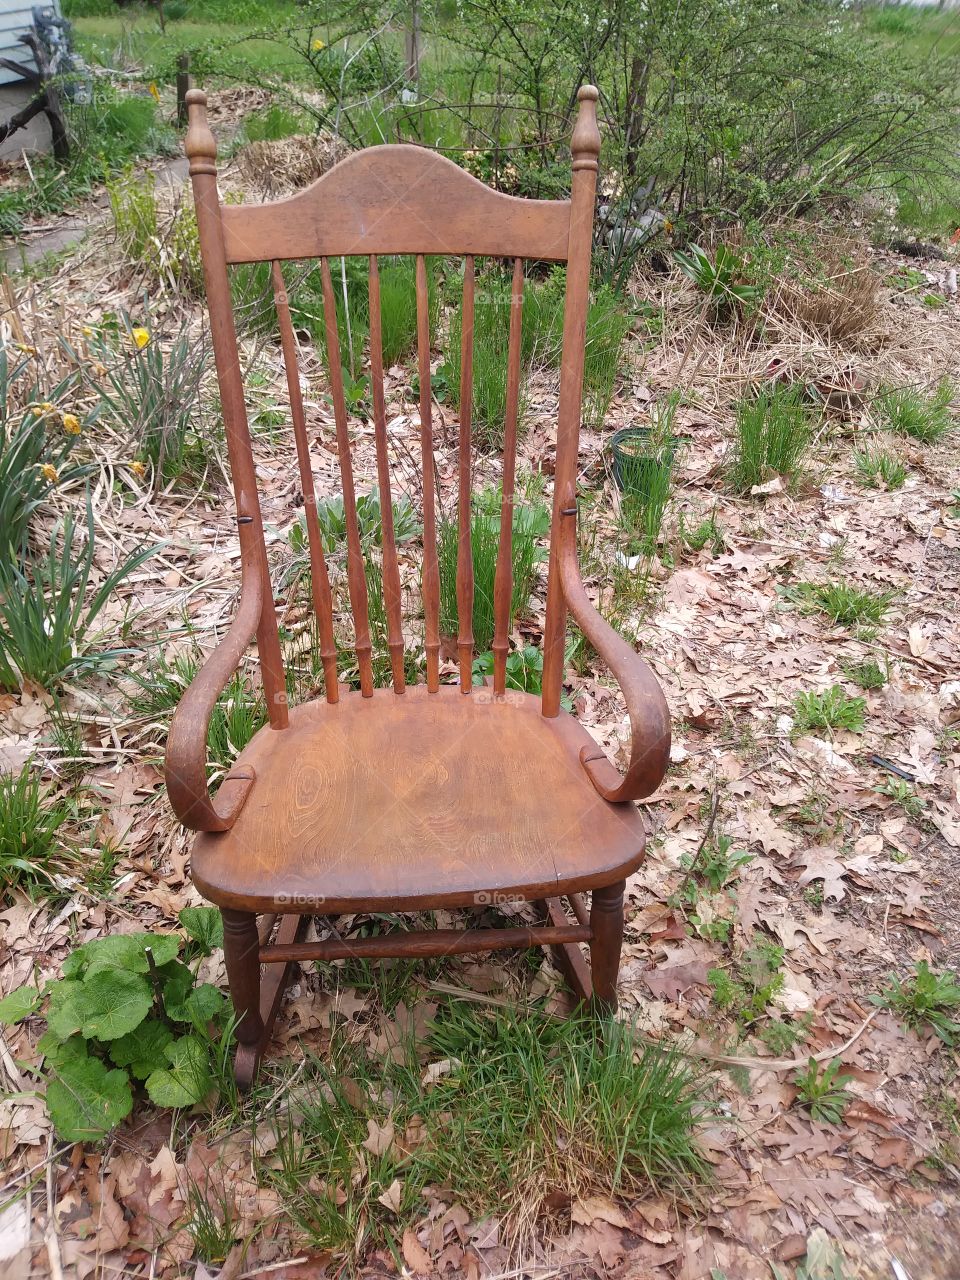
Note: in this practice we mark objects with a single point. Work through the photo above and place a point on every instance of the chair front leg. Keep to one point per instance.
(241, 951)
(606, 921)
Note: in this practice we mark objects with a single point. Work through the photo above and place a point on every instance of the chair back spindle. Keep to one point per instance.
(356, 572)
(392, 594)
(503, 580)
(465, 588)
(319, 578)
(431, 567)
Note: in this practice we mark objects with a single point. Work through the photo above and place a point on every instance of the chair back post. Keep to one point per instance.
(585, 148)
(201, 149)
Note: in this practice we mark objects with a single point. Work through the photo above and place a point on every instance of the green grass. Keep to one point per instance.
(910, 412)
(832, 709)
(879, 468)
(772, 436)
(926, 1001)
(30, 841)
(225, 45)
(647, 484)
(531, 521)
(867, 674)
(847, 606)
(239, 711)
(275, 122)
(524, 1107)
(104, 137)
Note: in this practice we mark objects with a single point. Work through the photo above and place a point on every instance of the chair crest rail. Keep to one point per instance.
(397, 199)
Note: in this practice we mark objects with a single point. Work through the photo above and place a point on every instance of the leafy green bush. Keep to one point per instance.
(531, 520)
(524, 670)
(773, 433)
(333, 525)
(128, 1012)
(30, 821)
(719, 278)
(46, 620)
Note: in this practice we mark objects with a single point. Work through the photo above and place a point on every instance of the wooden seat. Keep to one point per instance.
(389, 804)
(436, 795)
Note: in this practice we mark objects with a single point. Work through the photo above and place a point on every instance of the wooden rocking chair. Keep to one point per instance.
(423, 797)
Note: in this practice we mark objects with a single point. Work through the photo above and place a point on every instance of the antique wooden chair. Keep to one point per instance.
(410, 798)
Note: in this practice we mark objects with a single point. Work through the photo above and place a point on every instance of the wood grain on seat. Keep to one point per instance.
(379, 803)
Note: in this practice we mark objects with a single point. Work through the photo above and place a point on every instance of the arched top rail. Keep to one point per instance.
(397, 199)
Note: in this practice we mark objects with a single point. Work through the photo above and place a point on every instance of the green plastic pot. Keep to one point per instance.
(637, 461)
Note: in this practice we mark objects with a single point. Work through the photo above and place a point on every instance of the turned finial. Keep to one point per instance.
(200, 144)
(585, 143)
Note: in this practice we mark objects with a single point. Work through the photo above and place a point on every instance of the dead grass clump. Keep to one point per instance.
(840, 304)
(276, 167)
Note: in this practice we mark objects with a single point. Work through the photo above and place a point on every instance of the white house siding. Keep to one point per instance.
(16, 18)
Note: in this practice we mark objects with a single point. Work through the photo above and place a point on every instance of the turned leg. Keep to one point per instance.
(606, 921)
(241, 951)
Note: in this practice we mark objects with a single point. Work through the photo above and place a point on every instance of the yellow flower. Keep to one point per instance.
(41, 410)
(49, 473)
(317, 46)
(141, 337)
(26, 348)
(154, 91)
(71, 424)
(37, 411)
(138, 469)
(87, 331)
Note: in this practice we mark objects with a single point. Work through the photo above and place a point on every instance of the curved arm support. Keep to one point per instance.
(646, 705)
(185, 766)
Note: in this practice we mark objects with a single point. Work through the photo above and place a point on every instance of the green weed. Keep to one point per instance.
(925, 1001)
(521, 1106)
(823, 1092)
(831, 709)
(867, 674)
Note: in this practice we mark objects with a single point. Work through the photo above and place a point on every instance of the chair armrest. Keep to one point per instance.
(185, 765)
(646, 705)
